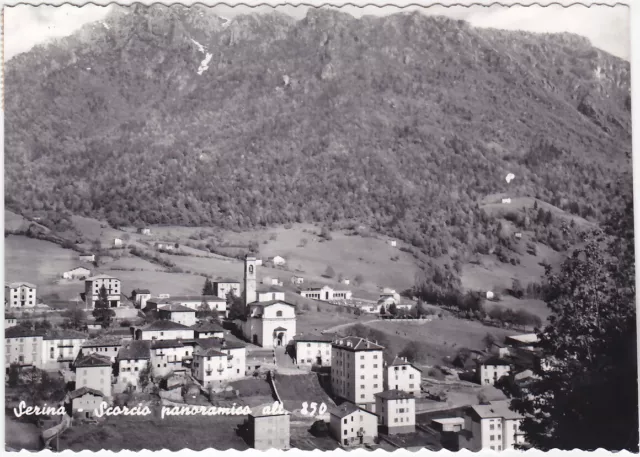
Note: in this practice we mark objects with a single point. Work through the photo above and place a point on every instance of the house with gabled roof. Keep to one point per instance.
(163, 330)
(105, 345)
(169, 356)
(23, 346)
(225, 286)
(61, 347)
(491, 369)
(140, 297)
(94, 371)
(400, 374)
(93, 286)
(492, 426)
(352, 426)
(236, 356)
(84, 402)
(208, 330)
(178, 313)
(20, 295)
(132, 359)
(313, 350)
(77, 273)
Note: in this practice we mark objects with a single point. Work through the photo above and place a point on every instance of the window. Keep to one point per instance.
(345, 421)
(361, 366)
(491, 427)
(345, 432)
(362, 396)
(410, 376)
(395, 420)
(375, 386)
(361, 376)
(493, 448)
(492, 437)
(362, 357)
(278, 313)
(362, 386)
(375, 365)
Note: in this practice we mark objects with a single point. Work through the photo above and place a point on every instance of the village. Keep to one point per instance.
(238, 344)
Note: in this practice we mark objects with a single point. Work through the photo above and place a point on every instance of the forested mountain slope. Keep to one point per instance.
(405, 122)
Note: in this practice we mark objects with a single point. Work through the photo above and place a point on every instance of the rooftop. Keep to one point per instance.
(160, 344)
(15, 285)
(177, 308)
(22, 332)
(524, 338)
(94, 360)
(196, 298)
(84, 390)
(226, 281)
(135, 350)
(218, 343)
(106, 340)
(142, 291)
(59, 334)
(328, 338)
(495, 361)
(355, 343)
(402, 361)
(264, 304)
(211, 352)
(266, 289)
(207, 327)
(450, 420)
(100, 277)
(347, 409)
(164, 325)
(495, 409)
(394, 395)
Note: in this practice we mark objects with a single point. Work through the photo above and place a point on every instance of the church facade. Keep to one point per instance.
(270, 320)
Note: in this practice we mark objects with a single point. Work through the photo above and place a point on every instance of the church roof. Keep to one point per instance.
(264, 304)
(280, 329)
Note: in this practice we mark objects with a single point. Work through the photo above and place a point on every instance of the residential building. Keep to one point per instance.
(528, 341)
(94, 371)
(296, 280)
(313, 350)
(396, 411)
(236, 357)
(278, 260)
(402, 375)
(133, 357)
(345, 281)
(357, 370)
(196, 301)
(499, 349)
(106, 346)
(506, 200)
(269, 323)
(94, 284)
(163, 330)
(223, 287)
(144, 231)
(448, 424)
(392, 243)
(10, 322)
(60, 348)
(168, 356)
(178, 313)
(208, 330)
(77, 273)
(87, 257)
(326, 293)
(23, 346)
(20, 295)
(140, 297)
(84, 402)
(268, 430)
(210, 367)
(492, 426)
(117, 242)
(353, 426)
(389, 297)
(491, 369)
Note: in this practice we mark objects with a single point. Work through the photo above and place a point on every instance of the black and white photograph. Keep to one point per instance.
(319, 227)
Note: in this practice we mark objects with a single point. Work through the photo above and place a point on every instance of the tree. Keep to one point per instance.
(208, 288)
(516, 288)
(412, 351)
(235, 305)
(358, 279)
(144, 377)
(588, 396)
(488, 340)
(393, 309)
(14, 374)
(329, 273)
(102, 311)
(204, 310)
(76, 317)
(43, 324)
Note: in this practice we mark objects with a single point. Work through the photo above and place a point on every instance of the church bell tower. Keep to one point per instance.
(250, 281)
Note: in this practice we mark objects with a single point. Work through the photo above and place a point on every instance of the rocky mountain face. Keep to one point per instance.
(176, 115)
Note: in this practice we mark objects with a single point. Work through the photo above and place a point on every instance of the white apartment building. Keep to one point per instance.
(168, 355)
(132, 359)
(93, 286)
(106, 346)
(357, 370)
(353, 426)
(488, 371)
(402, 375)
(236, 356)
(10, 322)
(23, 346)
(313, 350)
(20, 295)
(396, 411)
(141, 296)
(224, 287)
(60, 348)
(326, 293)
(94, 371)
(493, 426)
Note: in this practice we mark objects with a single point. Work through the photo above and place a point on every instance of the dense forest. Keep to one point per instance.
(403, 123)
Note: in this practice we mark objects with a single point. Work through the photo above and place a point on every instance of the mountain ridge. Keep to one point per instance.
(321, 119)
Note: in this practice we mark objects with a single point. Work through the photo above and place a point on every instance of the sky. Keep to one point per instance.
(607, 27)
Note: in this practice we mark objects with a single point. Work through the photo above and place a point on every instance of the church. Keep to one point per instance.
(270, 320)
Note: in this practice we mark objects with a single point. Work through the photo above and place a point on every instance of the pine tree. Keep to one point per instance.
(102, 311)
